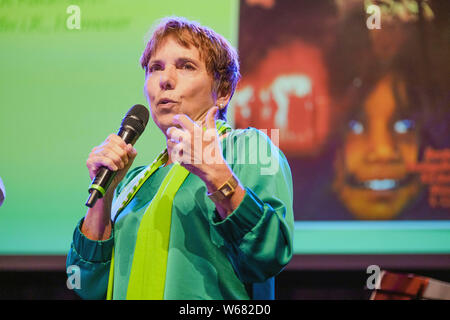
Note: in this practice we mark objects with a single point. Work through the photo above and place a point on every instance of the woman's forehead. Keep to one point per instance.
(175, 46)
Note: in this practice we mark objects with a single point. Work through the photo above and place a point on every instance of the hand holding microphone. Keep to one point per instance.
(113, 154)
(109, 162)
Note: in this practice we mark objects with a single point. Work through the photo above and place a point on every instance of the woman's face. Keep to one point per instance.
(177, 82)
(373, 180)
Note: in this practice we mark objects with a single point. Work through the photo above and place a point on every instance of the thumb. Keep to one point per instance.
(211, 117)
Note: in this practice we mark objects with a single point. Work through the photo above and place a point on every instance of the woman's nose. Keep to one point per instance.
(381, 144)
(167, 79)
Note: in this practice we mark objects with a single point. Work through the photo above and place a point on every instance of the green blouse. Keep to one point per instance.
(209, 258)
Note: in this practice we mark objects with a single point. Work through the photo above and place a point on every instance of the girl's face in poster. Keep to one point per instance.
(372, 179)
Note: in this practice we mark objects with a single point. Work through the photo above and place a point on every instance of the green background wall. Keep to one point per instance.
(55, 85)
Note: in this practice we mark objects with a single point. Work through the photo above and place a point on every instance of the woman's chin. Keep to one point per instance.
(164, 120)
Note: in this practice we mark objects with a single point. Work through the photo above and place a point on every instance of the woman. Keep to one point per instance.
(200, 222)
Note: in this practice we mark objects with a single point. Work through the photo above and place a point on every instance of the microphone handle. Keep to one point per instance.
(99, 185)
(104, 176)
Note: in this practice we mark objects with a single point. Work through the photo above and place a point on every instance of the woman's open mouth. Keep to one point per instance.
(165, 102)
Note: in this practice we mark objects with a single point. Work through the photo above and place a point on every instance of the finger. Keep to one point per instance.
(97, 161)
(183, 121)
(171, 144)
(110, 153)
(132, 153)
(117, 140)
(211, 117)
(175, 150)
(122, 152)
(175, 134)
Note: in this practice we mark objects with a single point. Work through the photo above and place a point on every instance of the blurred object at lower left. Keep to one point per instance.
(2, 192)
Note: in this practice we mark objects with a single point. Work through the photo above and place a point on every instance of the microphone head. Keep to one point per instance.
(136, 118)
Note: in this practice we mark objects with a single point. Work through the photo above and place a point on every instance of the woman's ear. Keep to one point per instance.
(222, 100)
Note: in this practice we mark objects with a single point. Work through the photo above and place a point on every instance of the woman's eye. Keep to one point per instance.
(188, 66)
(356, 127)
(154, 67)
(403, 126)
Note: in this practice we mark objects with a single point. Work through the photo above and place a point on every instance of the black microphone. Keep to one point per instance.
(133, 124)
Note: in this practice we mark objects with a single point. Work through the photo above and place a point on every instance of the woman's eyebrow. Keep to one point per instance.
(155, 61)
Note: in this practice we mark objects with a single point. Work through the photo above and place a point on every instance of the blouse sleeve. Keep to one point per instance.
(93, 258)
(259, 232)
